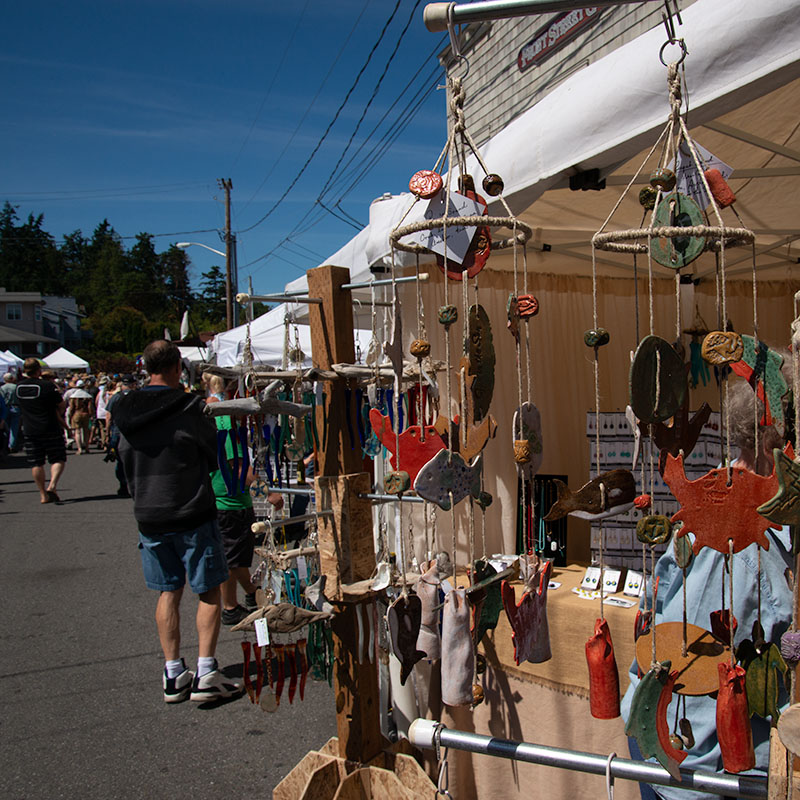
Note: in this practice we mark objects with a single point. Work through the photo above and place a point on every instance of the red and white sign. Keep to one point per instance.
(555, 34)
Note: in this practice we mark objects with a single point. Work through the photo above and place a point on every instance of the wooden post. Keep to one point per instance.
(345, 538)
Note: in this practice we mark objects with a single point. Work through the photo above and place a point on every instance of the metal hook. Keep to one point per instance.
(454, 46)
(610, 777)
(681, 44)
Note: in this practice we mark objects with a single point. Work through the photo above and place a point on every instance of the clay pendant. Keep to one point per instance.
(527, 427)
(608, 494)
(733, 720)
(708, 504)
(722, 347)
(762, 370)
(479, 350)
(648, 719)
(653, 529)
(676, 210)
(492, 601)
(603, 674)
(428, 584)
(448, 476)
(528, 618)
(784, 507)
(458, 656)
(404, 617)
(657, 381)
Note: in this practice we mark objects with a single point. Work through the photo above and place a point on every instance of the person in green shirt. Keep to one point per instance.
(235, 516)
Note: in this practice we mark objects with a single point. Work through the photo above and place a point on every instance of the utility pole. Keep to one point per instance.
(226, 185)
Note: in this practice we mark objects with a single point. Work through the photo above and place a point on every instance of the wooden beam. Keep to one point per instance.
(750, 138)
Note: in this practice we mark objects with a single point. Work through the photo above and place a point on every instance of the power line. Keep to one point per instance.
(330, 125)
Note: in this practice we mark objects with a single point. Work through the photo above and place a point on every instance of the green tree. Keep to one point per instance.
(210, 302)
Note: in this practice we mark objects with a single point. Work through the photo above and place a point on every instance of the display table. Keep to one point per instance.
(544, 703)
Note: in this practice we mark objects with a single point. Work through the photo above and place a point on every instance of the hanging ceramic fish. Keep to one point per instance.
(492, 601)
(784, 507)
(647, 722)
(708, 504)
(606, 495)
(446, 475)
(528, 618)
(458, 655)
(733, 720)
(682, 434)
(404, 617)
(603, 674)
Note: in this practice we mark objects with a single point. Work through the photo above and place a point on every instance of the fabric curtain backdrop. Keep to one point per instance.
(562, 375)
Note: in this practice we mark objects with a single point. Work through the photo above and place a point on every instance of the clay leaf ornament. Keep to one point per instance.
(458, 655)
(677, 210)
(603, 673)
(404, 618)
(708, 504)
(765, 670)
(658, 384)
(648, 718)
(682, 434)
(527, 426)
(479, 350)
(471, 437)
(428, 592)
(733, 720)
(784, 507)
(415, 450)
(762, 370)
(448, 474)
(608, 494)
(492, 600)
(528, 618)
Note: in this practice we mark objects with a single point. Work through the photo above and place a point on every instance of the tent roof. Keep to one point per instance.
(743, 78)
(63, 359)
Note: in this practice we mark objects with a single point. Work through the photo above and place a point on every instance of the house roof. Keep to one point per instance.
(15, 335)
(19, 297)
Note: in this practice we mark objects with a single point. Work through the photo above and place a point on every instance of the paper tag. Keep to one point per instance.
(459, 237)
(584, 594)
(262, 632)
(688, 178)
(633, 584)
(619, 601)
(302, 568)
(591, 579)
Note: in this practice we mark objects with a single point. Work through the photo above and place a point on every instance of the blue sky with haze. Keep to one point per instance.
(131, 110)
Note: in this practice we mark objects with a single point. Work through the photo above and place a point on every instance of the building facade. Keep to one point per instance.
(22, 328)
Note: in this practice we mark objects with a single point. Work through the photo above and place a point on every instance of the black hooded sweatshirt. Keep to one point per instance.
(167, 448)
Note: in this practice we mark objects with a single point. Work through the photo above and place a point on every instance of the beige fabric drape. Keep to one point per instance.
(562, 373)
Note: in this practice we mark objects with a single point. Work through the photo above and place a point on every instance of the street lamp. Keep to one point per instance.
(228, 292)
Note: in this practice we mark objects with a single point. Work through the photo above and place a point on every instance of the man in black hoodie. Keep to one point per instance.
(168, 447)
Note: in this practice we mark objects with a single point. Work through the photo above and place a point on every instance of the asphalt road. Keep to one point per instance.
(80, 670)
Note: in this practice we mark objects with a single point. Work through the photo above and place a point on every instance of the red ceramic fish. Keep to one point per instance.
(708, 505)
(733, 720)
(528, 619)
(603, 674)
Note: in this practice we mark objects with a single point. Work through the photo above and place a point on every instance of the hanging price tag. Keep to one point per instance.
(302, 568)
(262, 632)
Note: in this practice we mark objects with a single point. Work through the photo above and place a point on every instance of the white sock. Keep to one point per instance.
(174, 667)
(206, 665)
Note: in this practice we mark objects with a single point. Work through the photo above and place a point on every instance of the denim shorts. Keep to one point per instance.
(169, 558)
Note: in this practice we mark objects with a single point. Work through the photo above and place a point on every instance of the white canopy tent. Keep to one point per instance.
(64, 360)
(6, 363)
(13, 358)
(194, 354)
(268, 337)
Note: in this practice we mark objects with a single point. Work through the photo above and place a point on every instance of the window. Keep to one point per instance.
(13, 311)
(37, 313)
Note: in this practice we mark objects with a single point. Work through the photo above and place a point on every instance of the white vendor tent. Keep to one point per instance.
(13, 358)
(64, 360)
(267, 337)
(193, 354)
(6, 363)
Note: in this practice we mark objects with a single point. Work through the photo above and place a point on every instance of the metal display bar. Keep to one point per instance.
(423, 733)
(243, 298)
(392, 498)
(435, 14)
(423, 276)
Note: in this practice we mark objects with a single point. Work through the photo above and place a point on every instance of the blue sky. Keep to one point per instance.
(131, 110)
